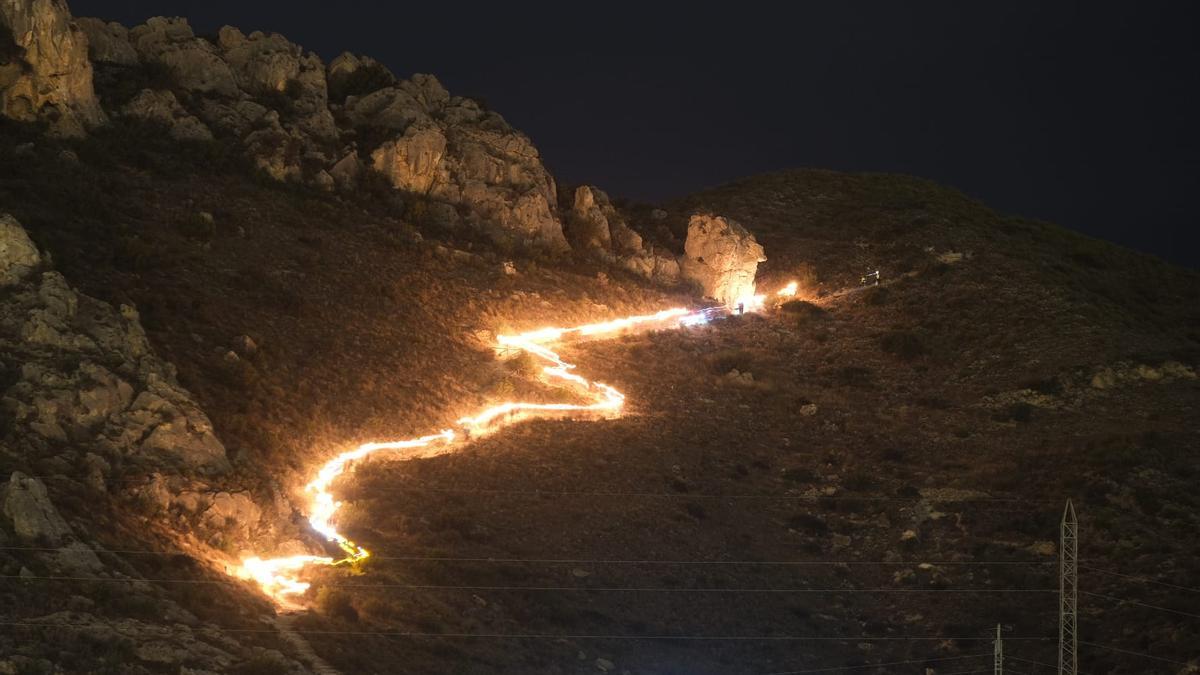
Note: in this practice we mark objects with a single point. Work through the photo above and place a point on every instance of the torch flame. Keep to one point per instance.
(277, 576)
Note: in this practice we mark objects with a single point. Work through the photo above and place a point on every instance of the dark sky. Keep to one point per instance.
(1071, 112)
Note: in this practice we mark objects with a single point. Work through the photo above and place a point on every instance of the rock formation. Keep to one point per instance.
(108, 42)
(86, 404)
(45, 73)
(451, 150)
(161, 106)
(721, 257)
(87, 380)
(596, 226)
(298, 120)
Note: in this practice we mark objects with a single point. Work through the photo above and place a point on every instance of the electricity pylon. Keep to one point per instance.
(1068, 593)
(998, 654)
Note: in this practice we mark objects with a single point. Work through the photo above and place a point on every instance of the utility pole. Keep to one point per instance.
(1068, 593)
(998, 654)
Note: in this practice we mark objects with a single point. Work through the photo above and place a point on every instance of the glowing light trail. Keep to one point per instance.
(278, 576)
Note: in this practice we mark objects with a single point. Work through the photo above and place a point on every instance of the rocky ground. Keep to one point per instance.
(224, 260)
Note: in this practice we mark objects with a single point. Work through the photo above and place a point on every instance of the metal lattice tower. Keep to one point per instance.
(1068, 594)
(998, 654)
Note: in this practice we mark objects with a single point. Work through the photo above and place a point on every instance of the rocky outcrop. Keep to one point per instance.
(449, 149)
(353, 75)
(48, 76)
(18, 256)
(87, 380)
(273, 98)
(596, 226)
(160, 106)
(194, 63)
(108, 42)
(33, 517)
(721, 257)
(267, 64)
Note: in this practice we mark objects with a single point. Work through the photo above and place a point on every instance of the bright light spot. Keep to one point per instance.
(277, 576)
(789, 290)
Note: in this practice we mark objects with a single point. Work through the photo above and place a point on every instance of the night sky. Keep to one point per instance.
(1082, 115)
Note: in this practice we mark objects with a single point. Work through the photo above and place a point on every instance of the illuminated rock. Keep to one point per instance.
(51, 77)
(18, 256)
(412, 162)
(721, 257)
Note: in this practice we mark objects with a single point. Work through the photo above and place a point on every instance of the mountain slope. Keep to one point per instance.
(860, 476)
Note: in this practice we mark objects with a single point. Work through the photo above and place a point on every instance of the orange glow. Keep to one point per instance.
(789, 291)
(278, 576)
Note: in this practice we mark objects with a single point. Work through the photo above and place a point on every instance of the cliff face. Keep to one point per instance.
(45, 74)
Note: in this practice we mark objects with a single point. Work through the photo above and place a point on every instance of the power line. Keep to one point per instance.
(659, 495)
(601, 561)
(1141, 579)
(1141, 604)
(1051, 666)
(691, 495)
(1032, 663)
(877, 665)
(554, 636)
(1133, 653)
(578, 589)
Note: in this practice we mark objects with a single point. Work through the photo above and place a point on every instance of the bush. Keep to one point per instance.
(808, 524)
(731, 359)
(905, 345)
(803, 309)
(336, 604)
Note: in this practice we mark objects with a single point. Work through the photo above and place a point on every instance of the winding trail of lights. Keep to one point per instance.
(278, 577)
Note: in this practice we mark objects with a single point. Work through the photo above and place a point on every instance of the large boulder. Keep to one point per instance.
(194, 63)
(108, 42)
(48, 76)
(162, 107)
(721, 257)
(595, 224)
(18, 255)
(353, 75)
(28, 507)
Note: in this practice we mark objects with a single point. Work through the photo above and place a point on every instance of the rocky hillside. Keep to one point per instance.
(299, 120)
(226, 260)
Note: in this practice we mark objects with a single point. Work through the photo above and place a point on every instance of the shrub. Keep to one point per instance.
(859, 481)
(731, 359)
(800, 474)
(855, 376)
(803, 309)
(808, 524)
(905, 345)
(336, 604)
